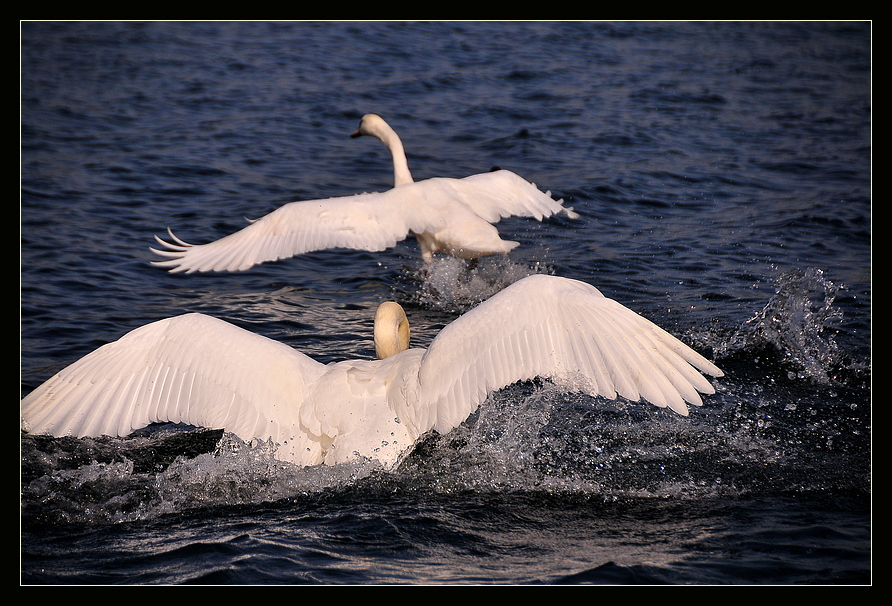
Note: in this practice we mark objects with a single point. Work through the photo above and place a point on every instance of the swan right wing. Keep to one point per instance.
(502, 193)
(372, 221)
(191, 369)
(557, 328)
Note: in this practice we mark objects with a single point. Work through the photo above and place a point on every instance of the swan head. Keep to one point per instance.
(391, 330)
(373, 125)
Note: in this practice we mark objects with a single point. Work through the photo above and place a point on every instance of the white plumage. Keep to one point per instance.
(451, 216)
(202, 371)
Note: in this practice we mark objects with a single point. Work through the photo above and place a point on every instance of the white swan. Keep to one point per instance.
(202, 371)
(451, 216)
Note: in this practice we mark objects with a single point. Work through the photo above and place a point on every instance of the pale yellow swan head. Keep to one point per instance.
(391, 330)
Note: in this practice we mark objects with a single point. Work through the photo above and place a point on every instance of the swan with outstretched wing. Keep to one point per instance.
(449, 216)
(202, 371)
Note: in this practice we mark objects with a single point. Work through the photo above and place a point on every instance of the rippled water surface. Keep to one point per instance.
(722, 176)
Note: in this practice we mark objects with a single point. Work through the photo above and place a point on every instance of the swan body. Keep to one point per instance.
(450, 216)
(202, 371)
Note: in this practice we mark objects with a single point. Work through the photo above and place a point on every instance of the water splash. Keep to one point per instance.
(530, 437)
(246, 472)
(795, 322)
(451, 284)
(112, 480)
(493, 450)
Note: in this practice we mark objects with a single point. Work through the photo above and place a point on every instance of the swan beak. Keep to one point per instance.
(355, 134)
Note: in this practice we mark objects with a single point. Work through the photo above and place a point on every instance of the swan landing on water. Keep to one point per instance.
(450, 216)
(202, 371)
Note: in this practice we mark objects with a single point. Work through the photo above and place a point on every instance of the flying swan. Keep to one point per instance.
(202, 371)
(451, 216)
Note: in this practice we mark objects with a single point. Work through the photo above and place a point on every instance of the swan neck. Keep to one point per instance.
(401, 174)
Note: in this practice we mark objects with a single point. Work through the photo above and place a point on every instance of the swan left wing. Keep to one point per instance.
(556, 328)
(502, 193)
(191, 369)
(372, 221)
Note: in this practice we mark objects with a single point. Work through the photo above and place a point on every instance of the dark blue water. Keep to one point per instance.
(722, 175)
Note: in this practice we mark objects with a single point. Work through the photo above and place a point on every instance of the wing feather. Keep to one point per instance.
(372, 222)
(502, 193)
(192, 369)
(457, 209)
(559, 329)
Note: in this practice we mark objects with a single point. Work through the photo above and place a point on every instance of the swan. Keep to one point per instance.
(202, 371)
(450, 216)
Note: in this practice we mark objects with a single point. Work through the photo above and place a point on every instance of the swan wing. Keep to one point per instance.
(191, 369)
(502, 193)
(557, 328)
(372, 221)
(450, 208)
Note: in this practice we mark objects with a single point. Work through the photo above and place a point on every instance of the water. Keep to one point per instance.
(722, 175)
